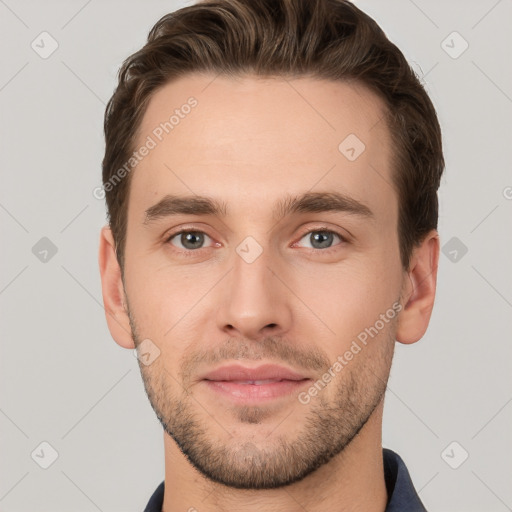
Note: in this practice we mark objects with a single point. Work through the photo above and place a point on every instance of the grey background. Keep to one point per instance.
(63, 379)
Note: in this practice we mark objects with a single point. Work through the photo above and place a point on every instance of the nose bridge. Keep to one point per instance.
(251, 268)
(253, 299)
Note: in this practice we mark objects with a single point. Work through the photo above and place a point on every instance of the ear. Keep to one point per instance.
(419, 290)
(113, 291)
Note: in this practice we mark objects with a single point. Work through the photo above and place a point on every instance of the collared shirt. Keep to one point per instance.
(402, 496)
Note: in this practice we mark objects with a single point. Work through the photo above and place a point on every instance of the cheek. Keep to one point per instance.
(347, 296)
(166, 301)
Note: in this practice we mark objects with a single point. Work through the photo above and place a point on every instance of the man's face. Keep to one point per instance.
(250, 287)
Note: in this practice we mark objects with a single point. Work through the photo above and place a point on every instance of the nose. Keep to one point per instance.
(254, 302)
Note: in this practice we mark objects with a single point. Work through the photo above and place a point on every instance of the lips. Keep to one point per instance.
(250, 385)
(259, 375)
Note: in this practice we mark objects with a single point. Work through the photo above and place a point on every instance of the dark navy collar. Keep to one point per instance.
(402, 496)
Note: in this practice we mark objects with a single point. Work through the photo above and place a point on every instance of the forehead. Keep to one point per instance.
(256, 137)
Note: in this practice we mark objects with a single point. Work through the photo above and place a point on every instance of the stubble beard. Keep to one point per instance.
(328, 426)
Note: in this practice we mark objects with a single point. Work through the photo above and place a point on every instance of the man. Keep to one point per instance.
(271, 173)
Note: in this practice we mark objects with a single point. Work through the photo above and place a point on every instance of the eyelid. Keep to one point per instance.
(324, 228)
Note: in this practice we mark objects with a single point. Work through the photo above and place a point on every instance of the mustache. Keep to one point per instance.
(271, 348)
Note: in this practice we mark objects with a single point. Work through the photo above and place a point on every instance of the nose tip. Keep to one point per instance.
(250, 328)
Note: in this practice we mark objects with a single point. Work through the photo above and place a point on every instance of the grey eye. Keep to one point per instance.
(320, 239)
(189, 240)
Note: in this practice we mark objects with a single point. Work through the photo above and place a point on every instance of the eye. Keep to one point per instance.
(188, 240)
(322, 239)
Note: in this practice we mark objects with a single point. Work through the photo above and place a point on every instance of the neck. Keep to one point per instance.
(351, 481)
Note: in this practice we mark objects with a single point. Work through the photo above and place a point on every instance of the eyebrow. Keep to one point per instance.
(309, 202)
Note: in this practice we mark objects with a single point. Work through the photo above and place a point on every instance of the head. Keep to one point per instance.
(300, 152)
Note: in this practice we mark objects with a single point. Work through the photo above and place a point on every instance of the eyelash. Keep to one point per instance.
(190, 252)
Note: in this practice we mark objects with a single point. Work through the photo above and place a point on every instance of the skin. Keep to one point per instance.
(249, 142)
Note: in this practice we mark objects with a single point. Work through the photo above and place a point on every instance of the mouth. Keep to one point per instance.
(263, 383)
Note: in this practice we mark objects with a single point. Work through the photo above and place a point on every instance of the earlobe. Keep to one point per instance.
(113, 291)
(420, 290)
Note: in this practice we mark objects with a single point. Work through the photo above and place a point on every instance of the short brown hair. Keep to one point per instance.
(329, 39)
